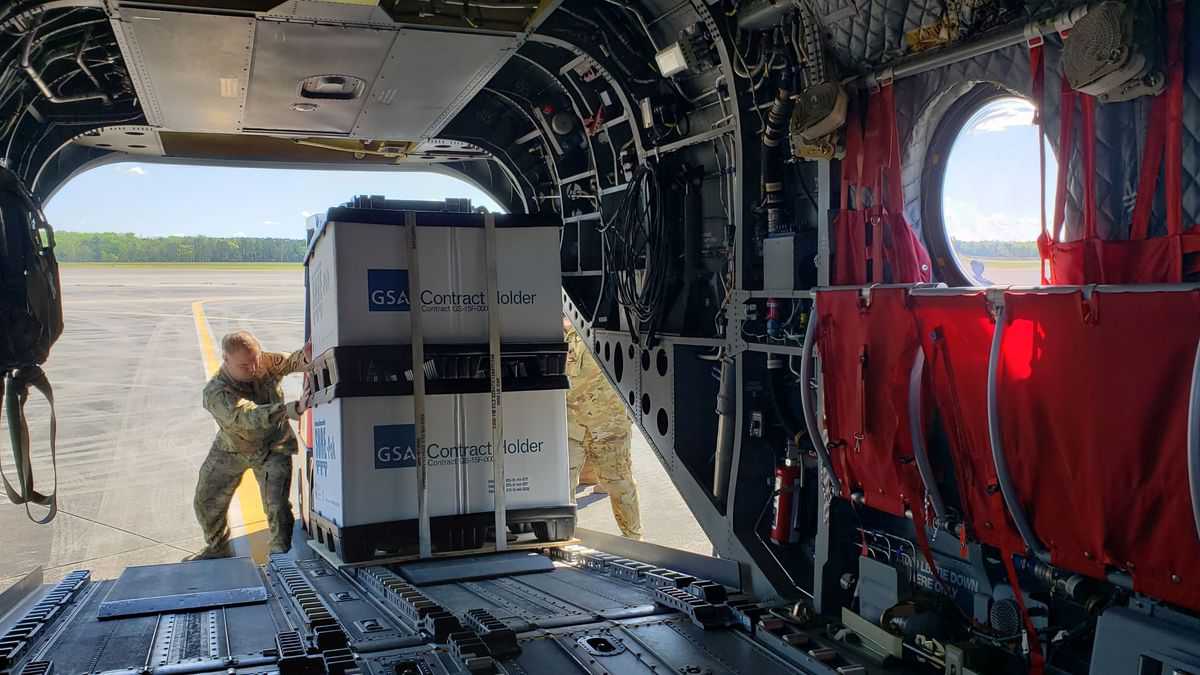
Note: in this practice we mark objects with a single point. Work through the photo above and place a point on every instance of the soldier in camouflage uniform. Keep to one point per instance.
(253, 433)
(598, 433)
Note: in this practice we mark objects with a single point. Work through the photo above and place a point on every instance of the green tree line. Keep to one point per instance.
(997, 249)
(129, 248)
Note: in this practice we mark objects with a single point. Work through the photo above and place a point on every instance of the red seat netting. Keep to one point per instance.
(1093, 406)
(956, 334)
(867, 353)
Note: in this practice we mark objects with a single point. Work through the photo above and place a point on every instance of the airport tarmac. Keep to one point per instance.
(128, 374)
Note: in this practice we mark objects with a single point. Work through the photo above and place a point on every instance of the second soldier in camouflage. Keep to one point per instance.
(598, 433)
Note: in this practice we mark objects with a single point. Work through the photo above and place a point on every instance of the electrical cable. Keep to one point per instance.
(612, 53)
(637, 236)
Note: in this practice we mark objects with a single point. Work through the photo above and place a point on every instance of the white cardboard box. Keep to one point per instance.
(359, 281)
(365, 464)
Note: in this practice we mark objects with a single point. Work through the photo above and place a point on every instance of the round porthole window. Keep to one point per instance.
(983, 214)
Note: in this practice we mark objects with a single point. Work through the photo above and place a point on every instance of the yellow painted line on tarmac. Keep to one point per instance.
(253, 517)
(207, 349)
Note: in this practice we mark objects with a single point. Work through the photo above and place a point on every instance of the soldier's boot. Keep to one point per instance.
(279, 545)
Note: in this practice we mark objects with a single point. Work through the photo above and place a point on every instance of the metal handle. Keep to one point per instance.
(1193, 438)
(918, 437)
(994, 434)
(810, 406)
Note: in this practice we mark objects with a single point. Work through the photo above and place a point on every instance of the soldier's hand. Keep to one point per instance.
(295, 409)
(305, 401)
(308, 351)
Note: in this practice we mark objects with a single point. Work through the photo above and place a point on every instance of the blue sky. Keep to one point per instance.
(990, 190)
(160, 199)
(991, 186)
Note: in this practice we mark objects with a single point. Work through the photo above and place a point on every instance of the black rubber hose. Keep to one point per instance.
(773, 138)
(775, 397)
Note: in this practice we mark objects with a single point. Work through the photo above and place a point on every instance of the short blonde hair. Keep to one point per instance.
(242, 339)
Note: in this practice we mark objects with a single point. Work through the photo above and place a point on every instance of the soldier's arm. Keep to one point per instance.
(278, 364)
(236, 413)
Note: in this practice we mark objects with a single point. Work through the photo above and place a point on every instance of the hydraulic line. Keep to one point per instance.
(773, 138)
(726, 430)
(36, 78)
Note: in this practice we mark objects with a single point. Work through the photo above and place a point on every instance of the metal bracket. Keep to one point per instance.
(995, 300)
(884, 78)
(1033, 36)
(736, 310)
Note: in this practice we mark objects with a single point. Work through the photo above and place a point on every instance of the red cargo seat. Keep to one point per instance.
(867, 346)
(956, 335)
(1093, 406)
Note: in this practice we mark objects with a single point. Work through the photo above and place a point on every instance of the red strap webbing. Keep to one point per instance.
(1037, 69)
(1036, 660)
(890, 190)
(1174, 143)
(1066, 137)
(923, 542)
(1152, 157)
(1088, 104)
(1163, 149)
(852, 162)
(1088, 151)
(862, 397)
(1163, 136)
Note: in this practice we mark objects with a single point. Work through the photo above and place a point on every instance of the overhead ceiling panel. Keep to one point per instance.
(285, 54)
(192, 68)
(427, 78)
(134, 140)
(346, 11)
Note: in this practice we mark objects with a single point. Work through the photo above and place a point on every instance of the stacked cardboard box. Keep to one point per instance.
(364, 432)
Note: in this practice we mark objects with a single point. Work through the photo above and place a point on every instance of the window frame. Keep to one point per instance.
(947, 266)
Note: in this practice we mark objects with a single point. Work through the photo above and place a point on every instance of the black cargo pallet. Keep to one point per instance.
(342, 372)
(449, 534)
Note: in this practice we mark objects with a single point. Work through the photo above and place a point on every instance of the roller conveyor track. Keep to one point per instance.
(590, 613)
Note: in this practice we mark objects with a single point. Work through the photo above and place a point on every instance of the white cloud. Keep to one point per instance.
(135, 171)
(270, 222)
(239, 234)
(305, 214)
(1002, 115)
(965, 222)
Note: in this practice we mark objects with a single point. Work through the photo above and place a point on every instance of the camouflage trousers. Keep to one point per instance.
(609, 457)
(219, 478)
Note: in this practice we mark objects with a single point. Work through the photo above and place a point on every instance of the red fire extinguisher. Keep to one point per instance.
(788, 481)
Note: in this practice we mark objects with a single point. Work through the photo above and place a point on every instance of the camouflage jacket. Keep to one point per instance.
(252, 417)
(592, 403)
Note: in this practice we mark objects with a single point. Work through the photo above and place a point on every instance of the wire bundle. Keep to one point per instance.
(637, 237)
